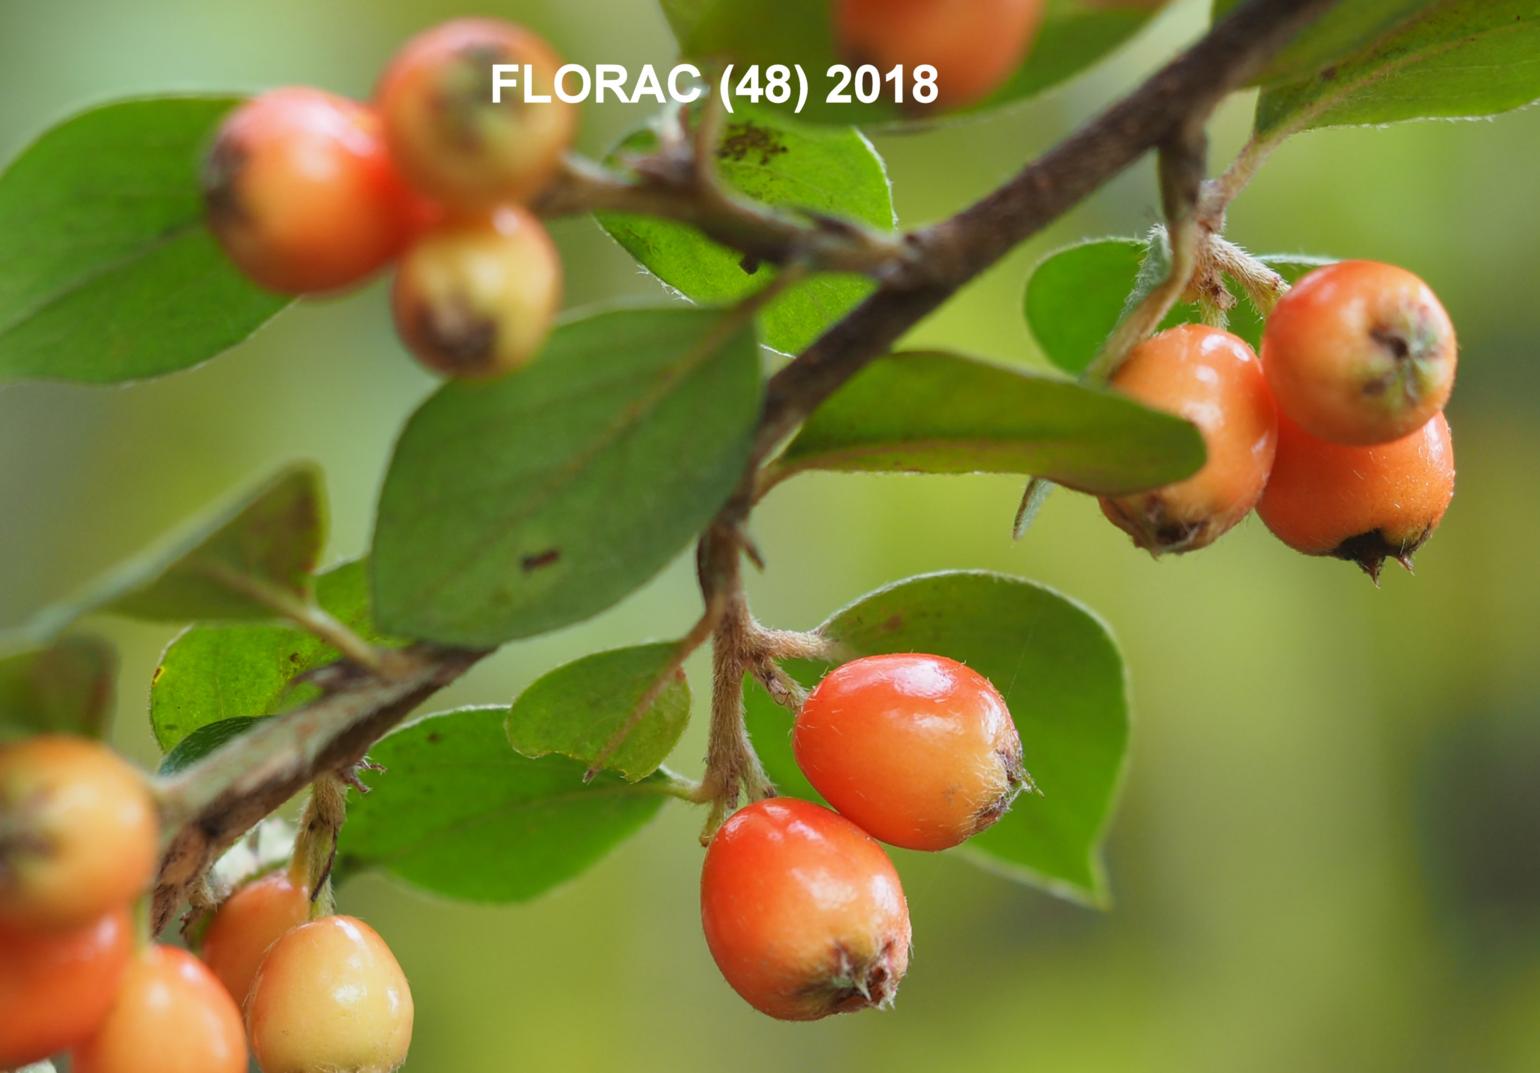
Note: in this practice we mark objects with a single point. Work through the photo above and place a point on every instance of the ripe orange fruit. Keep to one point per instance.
(57, 986)
(249, 922)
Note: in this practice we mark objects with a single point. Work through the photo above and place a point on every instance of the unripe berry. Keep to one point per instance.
(1362, 504)
(803, 911)
(330, 996)
(302, 194)
(974, 46)
(77, 832)
(1360, 352)
(170, 1016)
(476, 297)
(247, 924)
(450, 138)
(918, 751)
(1214, 380)
(57, 986)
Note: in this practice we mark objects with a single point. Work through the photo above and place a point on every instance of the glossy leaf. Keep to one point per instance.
(1074, 34)
(520, 506)
(575, 710)
(195, 746)
(1062, 676)
(1077, 295)
(211, 673)
(109, 274)
(458, 812)
(800, 168)
(65, 688)
(929, 412)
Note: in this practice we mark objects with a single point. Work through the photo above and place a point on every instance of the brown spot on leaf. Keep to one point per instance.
(540, 559)
(747, 139)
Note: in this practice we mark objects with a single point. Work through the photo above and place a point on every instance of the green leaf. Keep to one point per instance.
(1077, 295)
(109, 274)
(1074, 34)
(204, 740)
(516, 507)
(242, 562)
(1062, 676)
(576, 709)
(1341, 30)
(836, 172)
(458, 812)
(1443, 59)
(65, 687)
(930, 412)
(211, 673)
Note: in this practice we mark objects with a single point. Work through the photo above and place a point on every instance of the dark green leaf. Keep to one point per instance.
(575, 710)
(1440, 59)
(220, 672)
(942, 413)
(204, 740)
(109, 273)
(458, 812)
(836, 172)
(1077, 295)
(1062, 676)
(65, 687)
(520, 506)
(1074, 34)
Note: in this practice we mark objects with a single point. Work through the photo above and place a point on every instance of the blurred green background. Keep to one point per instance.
(1328, 852)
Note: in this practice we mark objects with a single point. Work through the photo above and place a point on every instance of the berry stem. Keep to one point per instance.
(315, 847)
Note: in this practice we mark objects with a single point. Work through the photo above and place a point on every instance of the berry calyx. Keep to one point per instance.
(78, 832)
(476, 297)
(803, 911)
(57, 986)
(247, 924)
(170, 1016)
(975, 47)
(1360, 352)
(918, 751)
(451, 139)
(1213, 379)
(330, 996)
(1362, 504)
(302, 195)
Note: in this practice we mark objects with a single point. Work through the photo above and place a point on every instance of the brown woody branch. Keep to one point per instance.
(211, 804)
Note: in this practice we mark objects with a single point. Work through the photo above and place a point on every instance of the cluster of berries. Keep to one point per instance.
(1336, 436)
(802, 909)
(78, 848)
(311, 193)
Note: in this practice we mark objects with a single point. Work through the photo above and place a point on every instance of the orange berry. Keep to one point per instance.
(975, 47)
(918, 751)
(302, 194)
(476, 297)
(450, 138)
(1214, 380)
(1360, 352)
(170, 1016)
(330, 996)
(1363, 504)
(803, 911)
(248, 923)
(56, 986)
(78, 832)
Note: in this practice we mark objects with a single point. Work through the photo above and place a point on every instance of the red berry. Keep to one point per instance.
(1214, 380)
(916, 750)
(450, 137)
(330, 996)
(170, 1016)
(249, 922)
(975, 46)
(1360, 352)
(302, 194)
(78, 832)
(57, 986)
(1363, 504)
(476, 297)
(803, 912)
